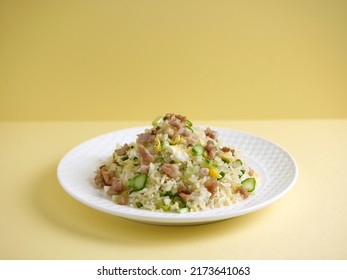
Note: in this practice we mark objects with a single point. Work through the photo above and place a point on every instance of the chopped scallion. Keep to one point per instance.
(222, 174)
(249, 184)
(237, 163)
(157, 120)
(138, 182)
(198, 149)
(189, 125)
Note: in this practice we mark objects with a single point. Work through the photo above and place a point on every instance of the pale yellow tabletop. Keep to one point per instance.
(39, 220)
(72, 70)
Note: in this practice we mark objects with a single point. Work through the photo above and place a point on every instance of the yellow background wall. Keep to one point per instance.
(131, 60)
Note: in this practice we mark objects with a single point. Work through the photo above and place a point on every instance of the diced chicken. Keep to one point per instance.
(146, 137)
(243, 192)
(210, 149)
(168, 116)
(107, 175)
(177, 123)
(211, 133)
(184, 131)
(144, 169)
(184, 193)
(184, 196)
(227, 149)
(99, 180)
(121, 151)
(122, 200)
(170, 170)
(183, 189)
(211, 186)
(170, 131)
(103, 177)
(181, 118)
(116, 186)
(145, 157)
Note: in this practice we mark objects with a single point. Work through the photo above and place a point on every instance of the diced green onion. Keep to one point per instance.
(180, 201)
(198, 149)
(168, 193)
(124, 158)
(242, 173)
(249, 184)
(189, 125)
(138, 182)
(222, 174)
(237, 163)
(156, 120)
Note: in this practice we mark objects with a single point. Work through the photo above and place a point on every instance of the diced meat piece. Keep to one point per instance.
(107, 175)
(116, 186)
(122, 200)
(184, 131)
(210, 149)
(183, 189)
(184, 196)
(181, 118)
(168, 116)
(103, 177)
(211, 133)
(144, 169)
(145, 157)
(170, 170)
(243, 192)
(99, 180)
(209, 145)
(170, 131)
(146, 137)
(184, 193)
(191, 139)
(227, 149)
(155, 130)
(121, 151)
(174, 122)
(211, 186)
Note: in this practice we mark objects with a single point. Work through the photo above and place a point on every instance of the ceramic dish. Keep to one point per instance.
(276, 167)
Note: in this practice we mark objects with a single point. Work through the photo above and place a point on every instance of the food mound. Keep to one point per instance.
(175, 166)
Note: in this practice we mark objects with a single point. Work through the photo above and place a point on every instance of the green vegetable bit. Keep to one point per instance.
(222, 174)
(157, 120)
(189, 125)
(180, 201)
(249, 184)
(237, 163)
(138, 182)
(198, 149)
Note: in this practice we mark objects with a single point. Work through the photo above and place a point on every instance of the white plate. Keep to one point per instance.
(278, 172)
